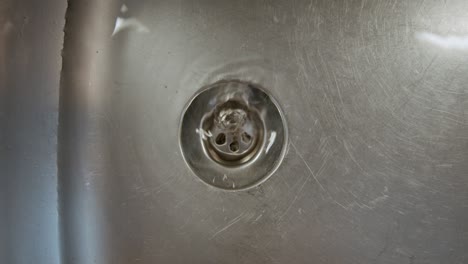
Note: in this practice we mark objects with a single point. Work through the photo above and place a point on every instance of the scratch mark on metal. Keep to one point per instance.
(308, 167)
(292, 202)
(258, 217)
(379, 199)
(352, 157)
(303, 184)
(233, 221)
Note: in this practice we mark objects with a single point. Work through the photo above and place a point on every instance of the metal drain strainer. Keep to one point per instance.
(233, 135)
(236, 132)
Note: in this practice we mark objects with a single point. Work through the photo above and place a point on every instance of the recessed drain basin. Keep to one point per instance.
(233, 135)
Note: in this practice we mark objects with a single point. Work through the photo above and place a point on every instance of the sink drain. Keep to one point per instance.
(236, 132)
(233, 135)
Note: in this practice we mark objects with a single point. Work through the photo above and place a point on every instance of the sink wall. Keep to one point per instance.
(31, 38)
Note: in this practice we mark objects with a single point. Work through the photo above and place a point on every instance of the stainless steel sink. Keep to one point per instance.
(374, 95)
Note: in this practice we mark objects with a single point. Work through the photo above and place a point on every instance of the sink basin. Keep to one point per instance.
(374, 97)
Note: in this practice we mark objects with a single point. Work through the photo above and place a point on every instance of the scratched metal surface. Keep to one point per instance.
(375, 95)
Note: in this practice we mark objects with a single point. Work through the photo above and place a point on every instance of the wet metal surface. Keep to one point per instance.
(374, 93)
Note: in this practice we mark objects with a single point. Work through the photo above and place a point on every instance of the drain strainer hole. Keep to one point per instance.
(221, 139)
(234, 146)
(246, 138)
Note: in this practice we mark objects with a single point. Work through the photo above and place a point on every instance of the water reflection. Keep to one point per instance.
(446, 42)
(122, 23)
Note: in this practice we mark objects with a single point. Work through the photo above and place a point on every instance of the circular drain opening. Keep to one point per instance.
(233, 135)
(246, 138)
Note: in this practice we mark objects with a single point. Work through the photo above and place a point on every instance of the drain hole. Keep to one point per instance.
(221, 139)
(246, 137)
(234, 146)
